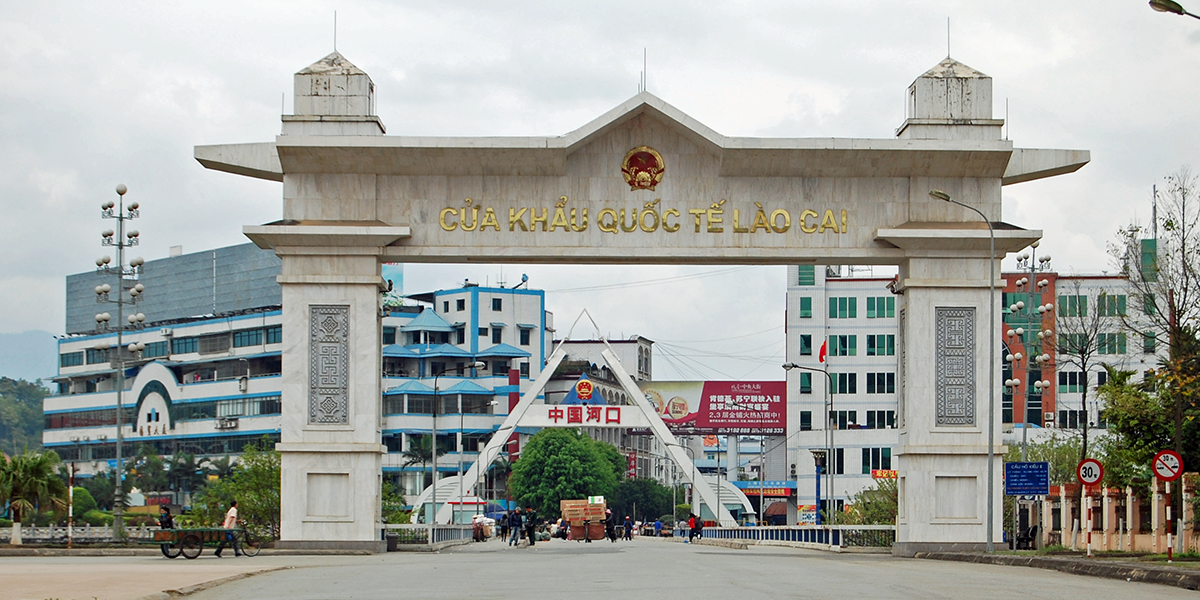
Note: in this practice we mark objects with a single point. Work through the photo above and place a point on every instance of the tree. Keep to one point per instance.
(876, 505)
(419, 453)
(185, 473)
(1083, 333)
(1164, 273)
(254, 483)
(641, 498)
(29, 482)
(563, 464)
(21, 417)
(146, 471)
(221, 467)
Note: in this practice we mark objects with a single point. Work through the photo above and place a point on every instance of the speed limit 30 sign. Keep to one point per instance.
(1168, 465)
(1089, 471)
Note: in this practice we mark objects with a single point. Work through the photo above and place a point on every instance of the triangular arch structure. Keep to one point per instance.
(529, 412)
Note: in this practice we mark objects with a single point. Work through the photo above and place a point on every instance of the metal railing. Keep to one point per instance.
(843, 536)
(419, 534)
(83, 534)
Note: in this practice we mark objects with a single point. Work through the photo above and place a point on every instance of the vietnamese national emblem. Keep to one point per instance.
(643, 168)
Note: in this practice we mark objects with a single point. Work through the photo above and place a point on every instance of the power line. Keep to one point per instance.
(718, 339)
(612, 286)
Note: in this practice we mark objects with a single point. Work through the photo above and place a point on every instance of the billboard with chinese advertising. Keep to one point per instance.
(719, 407)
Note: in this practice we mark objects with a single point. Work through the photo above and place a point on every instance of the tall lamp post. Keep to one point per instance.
(433, 442)
(692, 455)
(1170, 6)
(1031, 264)
(128, 293)
(830, 426)
(991, 441)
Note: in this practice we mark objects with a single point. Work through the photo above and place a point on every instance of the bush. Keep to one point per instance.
(96, 518)
(5, 523)
(84, 501)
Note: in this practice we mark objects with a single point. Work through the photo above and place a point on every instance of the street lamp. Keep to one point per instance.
(433, 442)
(818, 455)
(1170, 6)
(829, 428)
(991, 441)
(127, 285)
(692, 455)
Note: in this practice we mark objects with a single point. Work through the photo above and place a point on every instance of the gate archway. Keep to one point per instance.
(643, 183)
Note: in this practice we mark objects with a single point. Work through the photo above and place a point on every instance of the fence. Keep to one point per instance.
(842, 536)
(82, 534)
(420, 534)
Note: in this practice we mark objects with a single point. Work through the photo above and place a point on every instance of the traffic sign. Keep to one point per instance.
(1168, 465)
(1089, 471)
(1026, 479)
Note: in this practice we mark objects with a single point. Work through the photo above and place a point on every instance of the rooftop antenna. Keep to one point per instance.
(1007, 127)
(335, 31)
(947, 37)
(644, 65)
(1154, 214)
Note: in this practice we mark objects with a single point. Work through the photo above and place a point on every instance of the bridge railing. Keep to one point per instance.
(420, 534)
(842, 536)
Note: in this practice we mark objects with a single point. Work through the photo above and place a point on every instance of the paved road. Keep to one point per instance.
(666, 571)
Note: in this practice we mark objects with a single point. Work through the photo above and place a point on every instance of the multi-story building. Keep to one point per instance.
(208, 381)
(857, 319)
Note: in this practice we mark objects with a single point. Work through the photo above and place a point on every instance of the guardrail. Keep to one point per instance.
(80, 533)
(420, 534)
(841, 536)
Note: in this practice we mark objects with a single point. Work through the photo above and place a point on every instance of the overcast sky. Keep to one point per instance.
(99, 93)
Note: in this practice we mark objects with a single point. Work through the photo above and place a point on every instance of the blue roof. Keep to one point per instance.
(396, 350)
(504, 350)
(466, 387)
(427, 321)
(424, 350)
(409, 387)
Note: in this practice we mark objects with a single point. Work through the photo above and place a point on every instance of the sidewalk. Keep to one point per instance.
(1184, 577)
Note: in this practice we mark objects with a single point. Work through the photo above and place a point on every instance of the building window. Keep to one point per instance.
(525, 370)
(445, 306)
(881, 345)
(881, 307)
(839, 466)
(881, 383)
(806, 275)
(460, 304)
(843, 308)
(274, 334)
(247, 337)
(389, 336)
(1149, 342)
(500, 367)
(496, 333)
(843, 345)
(806, 307)
(460, 335)
(483, 332)
(497, 304)
(185, 345)
(214, 343)
(1071, 382)
(1071, 419)
(876, 458)
(525, 336)
(1071, 343)
(806, 345)
(846, 383)
(97, 355)
(881, 419)
(1111, 343)
(71, 359)
(806, 420)
(1072, 306)
(1111, 305)
(1148, 304)
(155, 350)
(806, 383)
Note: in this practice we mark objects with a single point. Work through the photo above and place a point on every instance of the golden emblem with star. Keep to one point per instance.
(643, 168)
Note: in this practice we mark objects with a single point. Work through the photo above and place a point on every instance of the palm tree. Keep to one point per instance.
(186, 474)
(30, 482)
(222, 467)
(418, 453)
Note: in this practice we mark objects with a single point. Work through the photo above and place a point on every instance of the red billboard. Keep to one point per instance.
(719, 407)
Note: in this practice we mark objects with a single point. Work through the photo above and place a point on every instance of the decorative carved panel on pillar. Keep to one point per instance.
(955, 348)
(329, 364)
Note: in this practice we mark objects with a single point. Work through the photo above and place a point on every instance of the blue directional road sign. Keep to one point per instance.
(1027, 479)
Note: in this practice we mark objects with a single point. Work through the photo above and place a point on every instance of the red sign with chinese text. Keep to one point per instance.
(720, 407)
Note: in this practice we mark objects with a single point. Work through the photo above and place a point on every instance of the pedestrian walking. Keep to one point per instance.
(531, 524)
(658, 528)
(504, 526)
(610, 526)
(628, 528)
(230, 536)
(691, 527)
(514, 522)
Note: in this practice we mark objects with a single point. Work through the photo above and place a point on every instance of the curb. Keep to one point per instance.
(734, 544)
(200, 587)
(149, 551)
(1186, 579)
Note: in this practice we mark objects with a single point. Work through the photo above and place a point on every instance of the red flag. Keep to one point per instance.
(824, 349)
